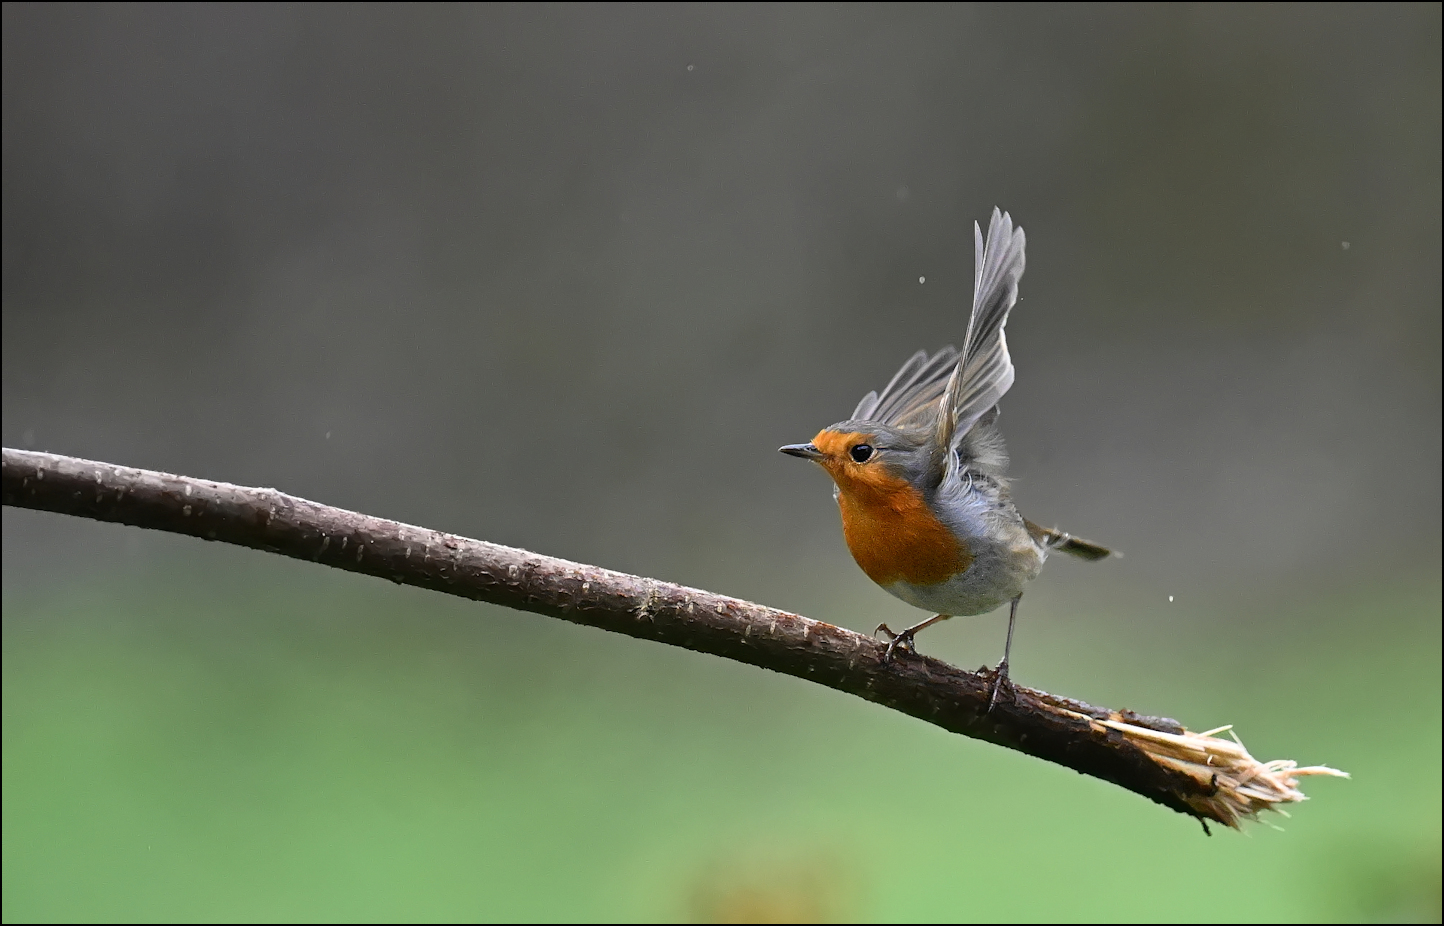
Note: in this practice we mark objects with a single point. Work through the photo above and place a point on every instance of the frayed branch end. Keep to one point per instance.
(1234, 785)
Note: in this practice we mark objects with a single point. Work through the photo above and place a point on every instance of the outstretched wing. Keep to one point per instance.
(911, 398)
(969, 383)
(984, 371)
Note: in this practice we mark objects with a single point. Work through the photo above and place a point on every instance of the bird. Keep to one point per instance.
(920, 470)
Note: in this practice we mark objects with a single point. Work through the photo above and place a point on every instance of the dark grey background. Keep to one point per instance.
(565, 277)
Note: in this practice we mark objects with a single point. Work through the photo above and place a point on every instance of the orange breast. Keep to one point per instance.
(897, 538)
(893, 535)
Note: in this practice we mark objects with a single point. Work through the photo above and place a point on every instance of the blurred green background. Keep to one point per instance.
(564, 278)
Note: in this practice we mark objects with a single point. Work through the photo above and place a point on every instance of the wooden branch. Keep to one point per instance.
(1197, 774)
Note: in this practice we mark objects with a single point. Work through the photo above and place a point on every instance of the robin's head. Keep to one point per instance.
(867, 457)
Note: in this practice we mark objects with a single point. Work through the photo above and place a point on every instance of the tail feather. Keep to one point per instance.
(1064, 542)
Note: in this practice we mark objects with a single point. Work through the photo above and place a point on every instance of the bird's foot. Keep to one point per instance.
(896, 641)
(1000, 678)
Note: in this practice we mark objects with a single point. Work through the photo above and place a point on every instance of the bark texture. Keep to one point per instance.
(1060, 730)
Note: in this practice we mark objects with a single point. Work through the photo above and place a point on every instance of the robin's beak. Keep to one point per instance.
(806, 451)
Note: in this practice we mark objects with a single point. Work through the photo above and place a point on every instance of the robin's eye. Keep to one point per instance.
(861, 453)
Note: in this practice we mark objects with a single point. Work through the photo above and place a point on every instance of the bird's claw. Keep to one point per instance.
(895, 641)
(1000, 678)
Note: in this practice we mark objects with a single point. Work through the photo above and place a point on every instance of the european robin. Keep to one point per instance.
(919, 470)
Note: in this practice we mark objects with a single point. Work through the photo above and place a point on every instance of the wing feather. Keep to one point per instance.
(967, 383)
(984, 372)
(910, 398)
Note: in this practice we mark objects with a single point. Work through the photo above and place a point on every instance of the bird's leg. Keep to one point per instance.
(904, 640)
(1000, 674)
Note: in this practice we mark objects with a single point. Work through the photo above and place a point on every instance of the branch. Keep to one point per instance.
(1201, 775)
